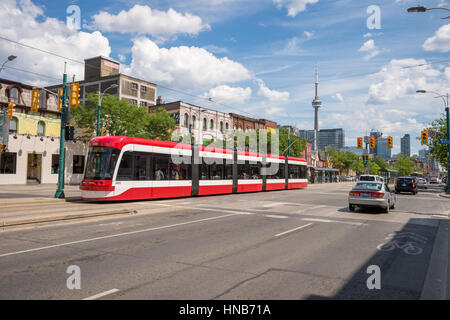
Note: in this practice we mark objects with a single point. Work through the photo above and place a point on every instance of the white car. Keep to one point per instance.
(371, 177)
(371, 194)
(422, 183)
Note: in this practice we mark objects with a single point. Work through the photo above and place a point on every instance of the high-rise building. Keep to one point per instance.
(377, 135)
(424, 153)
(405, 145)
(382, 150)
(307, 134)
(331, 138)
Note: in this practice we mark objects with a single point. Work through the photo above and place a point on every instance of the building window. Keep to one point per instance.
(78, 164)
(211, 124)
(41, 128)
(143, 104)
(143, 89)
(204, 123)
(55, 163)
(13, 125)
(221, 126)
(226, 126)
(8, 162)
(193, 121)
(133, 102)
(134, 86)
(14, 95)
(186, 120)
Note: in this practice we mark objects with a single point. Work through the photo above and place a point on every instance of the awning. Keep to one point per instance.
(326, 169)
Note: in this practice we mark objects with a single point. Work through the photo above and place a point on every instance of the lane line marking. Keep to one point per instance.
(116, 235)
(334, 221)
(292, 230)
(274, 204)
(102, 294)
(274, 216)
(311, 208)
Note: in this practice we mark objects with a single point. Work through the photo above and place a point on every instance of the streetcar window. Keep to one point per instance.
(125, 172)
(101, 163)
(142, 166)
(215, 169)
(161, 167)
(280, 174)
(249, 170)
(297, 172)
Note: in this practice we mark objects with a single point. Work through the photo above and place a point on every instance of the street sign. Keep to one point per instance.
(444, 141)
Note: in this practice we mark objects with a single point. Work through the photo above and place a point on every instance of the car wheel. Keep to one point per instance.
(351, 207)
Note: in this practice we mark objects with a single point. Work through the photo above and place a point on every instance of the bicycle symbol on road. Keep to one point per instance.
(402, 240)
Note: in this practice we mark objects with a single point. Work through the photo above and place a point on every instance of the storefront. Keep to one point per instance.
(323, 175)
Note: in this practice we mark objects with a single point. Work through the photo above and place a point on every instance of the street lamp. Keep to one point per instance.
(10, 58)
(423, 9)
(445, 99)
(99, 106)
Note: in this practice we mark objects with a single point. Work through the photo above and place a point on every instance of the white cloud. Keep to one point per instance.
(27, 23)
(294, 6)
(183, 67)
(398, 81)
(369, 47)
(230, 95)
(271, 95)
(291, 48)
(215, 49)
(308, 34)
(144, 20)
(339, 97)
(440, 41)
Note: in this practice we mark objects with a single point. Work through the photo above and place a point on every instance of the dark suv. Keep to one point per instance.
(406, 184)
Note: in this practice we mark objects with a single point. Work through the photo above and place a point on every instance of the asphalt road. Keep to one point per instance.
(297, 244)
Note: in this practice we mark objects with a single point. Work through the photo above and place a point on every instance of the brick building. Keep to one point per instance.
(101, 72)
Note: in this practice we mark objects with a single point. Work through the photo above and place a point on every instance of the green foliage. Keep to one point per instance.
(438, 151)
(345, 161)
(404, 165)
(122, 119)
(374, 168)
(250, 141)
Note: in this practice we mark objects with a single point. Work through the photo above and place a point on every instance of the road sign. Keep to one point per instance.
(444, 141)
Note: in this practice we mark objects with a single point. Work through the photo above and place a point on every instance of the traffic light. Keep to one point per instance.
(69, 133)
(365, 158)
(103, 132)
(424, 138)
(60, 100)
(390, 143)
(360, 143)
(35, 100)
(372, 143)
(74, 94)
(11, 109)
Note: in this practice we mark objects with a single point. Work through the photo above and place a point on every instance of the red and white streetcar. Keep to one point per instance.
(125, 168)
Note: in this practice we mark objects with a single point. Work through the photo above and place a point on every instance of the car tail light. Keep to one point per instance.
(354, 194)
(377, 194)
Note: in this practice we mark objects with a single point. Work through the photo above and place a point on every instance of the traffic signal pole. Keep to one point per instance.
(60, 191)
(448, 146)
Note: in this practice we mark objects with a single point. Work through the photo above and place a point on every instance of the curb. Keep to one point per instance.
(5, 224)
(435, 284)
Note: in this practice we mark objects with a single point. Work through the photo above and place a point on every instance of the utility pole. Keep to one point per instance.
(366, 153)
(60, 191)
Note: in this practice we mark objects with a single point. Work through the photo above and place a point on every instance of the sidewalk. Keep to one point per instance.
(21, 191)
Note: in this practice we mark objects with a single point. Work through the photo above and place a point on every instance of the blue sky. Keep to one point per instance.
(254, 56)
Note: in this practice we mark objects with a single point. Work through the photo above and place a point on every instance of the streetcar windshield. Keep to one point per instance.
(101, 163)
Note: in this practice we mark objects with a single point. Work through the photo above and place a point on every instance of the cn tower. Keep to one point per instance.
(316, 105)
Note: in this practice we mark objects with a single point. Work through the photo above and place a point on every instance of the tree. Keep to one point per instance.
(439, 129)
(404, 165)
(374, 168)
(119, 118)
(343, 160)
